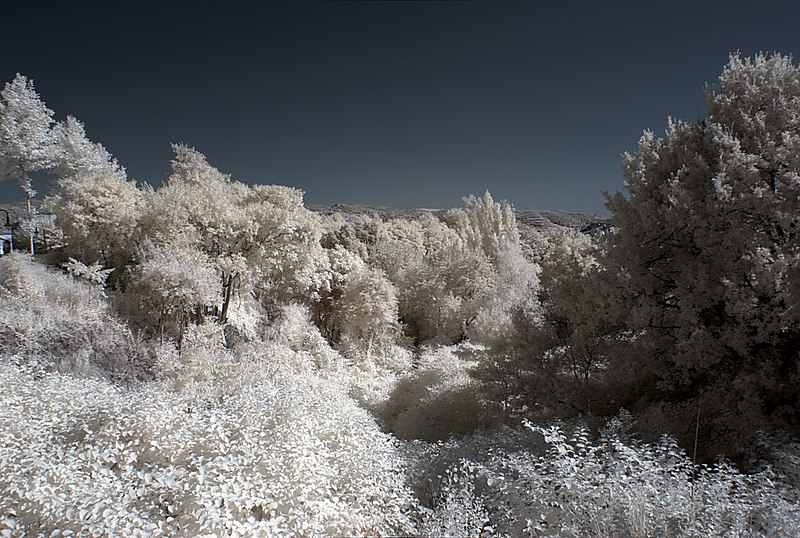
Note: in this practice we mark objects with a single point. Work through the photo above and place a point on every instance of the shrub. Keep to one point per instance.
(437, 399)
(56, 322)
(288, 456)
(614, 486)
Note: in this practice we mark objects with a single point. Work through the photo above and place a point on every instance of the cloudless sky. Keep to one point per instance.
(402, 104)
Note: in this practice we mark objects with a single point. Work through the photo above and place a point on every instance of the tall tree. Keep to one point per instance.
(708, 251)
(257, 237)
(27, 141)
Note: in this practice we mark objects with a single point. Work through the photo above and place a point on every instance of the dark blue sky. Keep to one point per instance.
(404, 104)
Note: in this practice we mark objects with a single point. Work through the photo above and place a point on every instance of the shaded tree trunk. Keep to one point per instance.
(227, 290)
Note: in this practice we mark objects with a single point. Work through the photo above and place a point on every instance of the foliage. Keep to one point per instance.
(689, 303)
(282, 356)
(367, 311)
(78, 156)
(171, 286)
(556, 364)
(438, 398)
(27, 142)
(94, 273)
(293, 330)
(52, 321)
(258, 238)
(612, 486)
(460, 277)
(287, 457)
(706, 250)
(99, 215)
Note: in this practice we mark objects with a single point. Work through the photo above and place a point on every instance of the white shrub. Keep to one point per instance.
(294, 330)
(286, 457)
(54, 321)
(437, 399)
(614, 486)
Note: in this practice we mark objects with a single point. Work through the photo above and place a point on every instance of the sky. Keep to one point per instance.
(399, 104)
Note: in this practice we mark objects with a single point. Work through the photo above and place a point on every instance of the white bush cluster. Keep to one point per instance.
(437, 398)
(288, 457)
(55, 321)
(612, 486)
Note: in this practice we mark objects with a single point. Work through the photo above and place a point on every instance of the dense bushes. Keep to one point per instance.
(52, 321)
(287, 456)
(614, 486)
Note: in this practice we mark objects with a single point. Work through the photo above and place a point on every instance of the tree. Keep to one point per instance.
(486, 225)
(707, 249)
(367, 308)
(260, 238)
(27, 141)
(458, 276)
(342, 264)
(489, 232)
(557, 361)
(173, 285)
(77, 155)
(100, 213)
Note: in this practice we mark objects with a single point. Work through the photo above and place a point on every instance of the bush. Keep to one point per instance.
(56, 322)
(437, 399)
(612, 486)
(288, 456)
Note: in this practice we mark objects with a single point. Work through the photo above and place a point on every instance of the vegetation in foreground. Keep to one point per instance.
(212, 358)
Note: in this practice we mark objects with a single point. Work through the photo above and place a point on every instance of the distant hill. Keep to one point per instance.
(525, 218)
(385, 213)
(569, 219)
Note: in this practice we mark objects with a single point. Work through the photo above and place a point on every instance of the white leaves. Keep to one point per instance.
(177, 278)
(94, 273)
(609, 486)
(27, 142)
(77, 155)
(367, 306)
(99, 215)
(704, 248)
(289, 455)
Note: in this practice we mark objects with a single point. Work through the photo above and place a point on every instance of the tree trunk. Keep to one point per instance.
(227, 286)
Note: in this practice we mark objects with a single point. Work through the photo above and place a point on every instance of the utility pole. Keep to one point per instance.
(30, 218)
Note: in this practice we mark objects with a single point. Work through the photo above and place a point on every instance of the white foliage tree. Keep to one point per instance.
(489, 230)
(259, 238)
(367, 309)
(459, 276)
(100, 215)
(173, 285)
(77, 155)
(53, 321)
(342, 263)
(555, 365)
(27, 141)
